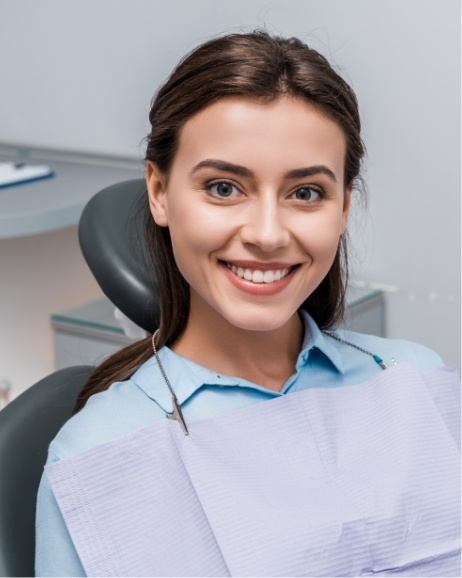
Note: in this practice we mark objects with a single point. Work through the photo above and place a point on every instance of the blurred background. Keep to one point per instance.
(79, 76)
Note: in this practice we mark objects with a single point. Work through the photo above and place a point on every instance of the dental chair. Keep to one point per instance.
(113, 248)
(27, 426)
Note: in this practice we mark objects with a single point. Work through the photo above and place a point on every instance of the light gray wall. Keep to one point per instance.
(80, 75)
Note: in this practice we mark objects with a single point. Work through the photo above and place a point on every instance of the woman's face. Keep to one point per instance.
(255, 203)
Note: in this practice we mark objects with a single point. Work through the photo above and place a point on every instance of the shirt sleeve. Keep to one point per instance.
(55, 554)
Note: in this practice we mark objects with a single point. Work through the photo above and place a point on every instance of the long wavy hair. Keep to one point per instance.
(260, 66)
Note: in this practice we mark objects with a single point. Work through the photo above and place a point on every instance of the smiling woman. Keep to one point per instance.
(253, 255)
(301, 452)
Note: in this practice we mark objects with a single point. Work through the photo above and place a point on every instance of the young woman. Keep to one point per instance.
(349, 467)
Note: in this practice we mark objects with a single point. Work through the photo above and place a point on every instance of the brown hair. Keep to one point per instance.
(259, 66)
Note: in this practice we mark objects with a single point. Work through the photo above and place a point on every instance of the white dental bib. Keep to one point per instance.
(350, 481)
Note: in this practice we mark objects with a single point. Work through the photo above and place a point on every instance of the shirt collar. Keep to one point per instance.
(317, 339)
(187, 377)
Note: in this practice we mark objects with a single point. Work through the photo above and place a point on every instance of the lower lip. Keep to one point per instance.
(263, 289)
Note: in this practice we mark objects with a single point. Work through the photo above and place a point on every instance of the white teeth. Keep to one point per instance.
(257, 276)
(268, 277)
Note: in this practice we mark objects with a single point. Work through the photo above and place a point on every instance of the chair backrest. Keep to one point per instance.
(110, 239)
(112, 242)
(27, 426)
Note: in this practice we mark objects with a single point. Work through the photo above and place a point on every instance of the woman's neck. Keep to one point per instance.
(266, 358)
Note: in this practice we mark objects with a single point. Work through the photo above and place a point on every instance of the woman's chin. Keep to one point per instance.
(259, 321)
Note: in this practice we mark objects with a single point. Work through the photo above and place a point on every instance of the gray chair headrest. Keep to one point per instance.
(112, 242)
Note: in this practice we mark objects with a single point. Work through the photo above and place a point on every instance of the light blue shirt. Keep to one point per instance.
(145, 398)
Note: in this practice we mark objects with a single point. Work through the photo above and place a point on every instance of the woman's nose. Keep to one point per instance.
(265, 226)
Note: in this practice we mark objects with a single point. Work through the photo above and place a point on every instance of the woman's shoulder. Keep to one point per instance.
(400, 350)
(110, 414)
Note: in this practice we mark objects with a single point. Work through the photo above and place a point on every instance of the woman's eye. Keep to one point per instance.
(223, 189)
(307, 194)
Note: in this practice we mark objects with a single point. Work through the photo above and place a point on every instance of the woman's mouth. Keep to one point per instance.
(270, 279)
(259, 276)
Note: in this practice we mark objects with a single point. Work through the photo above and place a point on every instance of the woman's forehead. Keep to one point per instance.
(286, 132)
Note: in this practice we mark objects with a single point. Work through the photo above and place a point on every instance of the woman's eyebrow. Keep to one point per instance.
(245, 172)
(223, 166)
(310, 171)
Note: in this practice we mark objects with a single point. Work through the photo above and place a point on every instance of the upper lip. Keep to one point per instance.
(259, 265)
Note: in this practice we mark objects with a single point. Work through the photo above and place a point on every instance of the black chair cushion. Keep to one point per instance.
(111, 240)
(27, 426)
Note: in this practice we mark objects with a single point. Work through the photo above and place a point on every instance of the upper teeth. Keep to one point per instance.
(257, 276)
